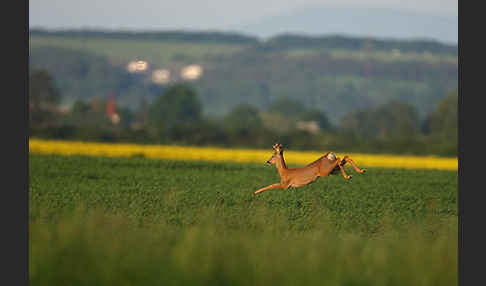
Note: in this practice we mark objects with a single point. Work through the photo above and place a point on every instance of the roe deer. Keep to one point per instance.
(326, 165)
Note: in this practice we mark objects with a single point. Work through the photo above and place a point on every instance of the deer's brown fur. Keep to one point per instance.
(326, 165)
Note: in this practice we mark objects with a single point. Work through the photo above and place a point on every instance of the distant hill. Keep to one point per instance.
(336, 42)
(335, 74)
(182, 36)
(281, 41)
(358, 22)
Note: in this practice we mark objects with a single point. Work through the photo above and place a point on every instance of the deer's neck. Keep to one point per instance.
(280, 163)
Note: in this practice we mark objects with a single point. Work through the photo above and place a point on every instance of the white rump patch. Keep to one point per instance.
(331, 156)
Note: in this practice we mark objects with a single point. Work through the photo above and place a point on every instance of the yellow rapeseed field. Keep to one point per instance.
(231, 155)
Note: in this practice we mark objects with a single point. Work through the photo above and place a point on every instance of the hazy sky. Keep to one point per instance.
(193, 14)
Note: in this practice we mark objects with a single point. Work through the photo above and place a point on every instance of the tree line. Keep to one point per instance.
(177, 116)
(334, 85)
(182, 36)
(278, 42)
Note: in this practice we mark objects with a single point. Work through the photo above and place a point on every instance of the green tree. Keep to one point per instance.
(242, 118)
(318, 116)
(80, 107)
(287, 107)
(292, 111)
(179, 104)
(245, 128)
(88, 114)
(43, 98)
(391, 120)
(443, 121)
(441, 126)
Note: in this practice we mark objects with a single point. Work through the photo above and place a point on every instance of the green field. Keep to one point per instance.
(137, 221)
(157, 53)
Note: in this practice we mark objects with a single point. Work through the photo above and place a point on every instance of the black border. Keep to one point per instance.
(460, 167)
(460, 154)
(15, 180)
(17, 168)
(23, 276)
(470, 255)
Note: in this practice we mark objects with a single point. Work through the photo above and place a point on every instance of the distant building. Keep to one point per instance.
(137, 66)
(161, 76)
(111, 111)
(63, 109)
(191, 72)
(309, 126)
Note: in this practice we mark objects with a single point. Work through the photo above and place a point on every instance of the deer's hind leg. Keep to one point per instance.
(346, 159)
(340, 165)
(333, 169)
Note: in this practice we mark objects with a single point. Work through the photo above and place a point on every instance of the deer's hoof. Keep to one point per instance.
(363, 171)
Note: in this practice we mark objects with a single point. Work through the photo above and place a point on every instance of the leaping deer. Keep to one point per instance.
(326, 165)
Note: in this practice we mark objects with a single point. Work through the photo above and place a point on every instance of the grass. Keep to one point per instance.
(390, 56)
(160, 53)
(374, 55)
(138, 221)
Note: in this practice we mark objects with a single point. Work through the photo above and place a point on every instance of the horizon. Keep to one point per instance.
(234, 32)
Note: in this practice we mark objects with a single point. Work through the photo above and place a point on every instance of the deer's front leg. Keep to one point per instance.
(347, 159)
(273, 186)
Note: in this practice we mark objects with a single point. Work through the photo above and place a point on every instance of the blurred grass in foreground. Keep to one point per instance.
(136, 221)
(91, 247)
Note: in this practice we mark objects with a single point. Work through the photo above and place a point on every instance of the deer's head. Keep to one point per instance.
(278, 150)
